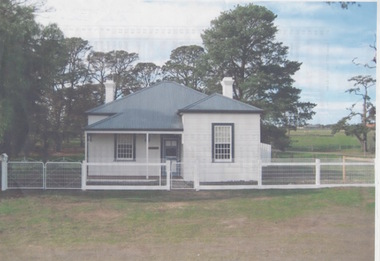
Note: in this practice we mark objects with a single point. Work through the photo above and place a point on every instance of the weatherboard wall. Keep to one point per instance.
(95, 118)
(197, 148)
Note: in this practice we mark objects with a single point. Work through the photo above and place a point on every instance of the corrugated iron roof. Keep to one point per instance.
(158, 107)
(152, 108)
(220, 104)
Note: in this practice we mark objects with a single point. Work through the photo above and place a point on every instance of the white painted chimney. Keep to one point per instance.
(227, 83)
(110, 91)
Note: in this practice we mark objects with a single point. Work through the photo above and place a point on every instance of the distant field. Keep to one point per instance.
(313, 141)
(322, 140)
(326, 224)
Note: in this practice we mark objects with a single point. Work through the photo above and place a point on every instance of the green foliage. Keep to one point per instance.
(240, 43)
(366, 116)
(272, 135)
(120, 63)
(40, 70)
(145, 74)
(98, 69)
(185, 66)
(18, 32)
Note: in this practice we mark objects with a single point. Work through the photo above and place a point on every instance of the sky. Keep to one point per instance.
(324, 38)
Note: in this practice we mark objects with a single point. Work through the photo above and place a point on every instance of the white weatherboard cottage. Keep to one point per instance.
(214, 135)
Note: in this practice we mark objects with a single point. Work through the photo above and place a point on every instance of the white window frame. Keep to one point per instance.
(124, 147)
(223, 142)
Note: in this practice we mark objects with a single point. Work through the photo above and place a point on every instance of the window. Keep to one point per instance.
(124, 148)
(222, 142)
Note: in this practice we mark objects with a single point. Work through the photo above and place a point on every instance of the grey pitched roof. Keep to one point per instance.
(159, 107)
(152, 108)
(221, 104)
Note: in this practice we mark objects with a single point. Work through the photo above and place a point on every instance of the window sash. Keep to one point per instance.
(124, 147)
(222, 142)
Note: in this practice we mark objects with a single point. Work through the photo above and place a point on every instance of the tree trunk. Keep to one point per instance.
(45, 151)
(58, 142)
(364, 120)
(82, 143)
(365, 145)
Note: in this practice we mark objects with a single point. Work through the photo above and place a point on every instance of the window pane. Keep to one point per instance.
(222, 134)
(222, 151)
(125, 146)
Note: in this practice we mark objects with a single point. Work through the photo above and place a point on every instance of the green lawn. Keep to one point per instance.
(218, 225)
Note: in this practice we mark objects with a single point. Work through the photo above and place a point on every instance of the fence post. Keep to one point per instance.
(344, 169)
(260, 174)
(84, 175)
(168, 174)
(4, 172)
(317, 172)
(44, 175)
(196, 177)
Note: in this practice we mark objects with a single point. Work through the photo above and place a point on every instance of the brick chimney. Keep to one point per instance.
(227, 83)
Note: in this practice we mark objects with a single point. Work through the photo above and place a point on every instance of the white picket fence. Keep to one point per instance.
(274, 174)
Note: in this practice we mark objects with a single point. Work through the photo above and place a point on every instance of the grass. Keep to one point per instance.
(53, 219)
(322, 140)
(320, 143)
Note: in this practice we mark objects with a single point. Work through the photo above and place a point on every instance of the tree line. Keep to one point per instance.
(48, 81)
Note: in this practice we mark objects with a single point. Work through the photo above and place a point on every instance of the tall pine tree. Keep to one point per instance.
(241, 43)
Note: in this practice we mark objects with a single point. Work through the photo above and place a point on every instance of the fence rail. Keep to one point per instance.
(126, 176)
(318, 173)
(278, 173)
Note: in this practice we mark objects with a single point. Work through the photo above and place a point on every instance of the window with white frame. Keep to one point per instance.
(124, 147)
(222, 139)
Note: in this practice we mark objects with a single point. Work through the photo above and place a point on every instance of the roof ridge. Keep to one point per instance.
(189, 107)
(183, 86)
(197, 102)
(238, 101)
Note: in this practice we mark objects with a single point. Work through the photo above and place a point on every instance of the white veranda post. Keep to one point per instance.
(147, 154)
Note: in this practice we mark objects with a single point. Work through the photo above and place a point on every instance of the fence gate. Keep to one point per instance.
(37, 175)
(63, 175)
(25, 175)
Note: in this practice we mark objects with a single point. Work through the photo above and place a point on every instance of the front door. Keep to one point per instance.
(171, 152)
